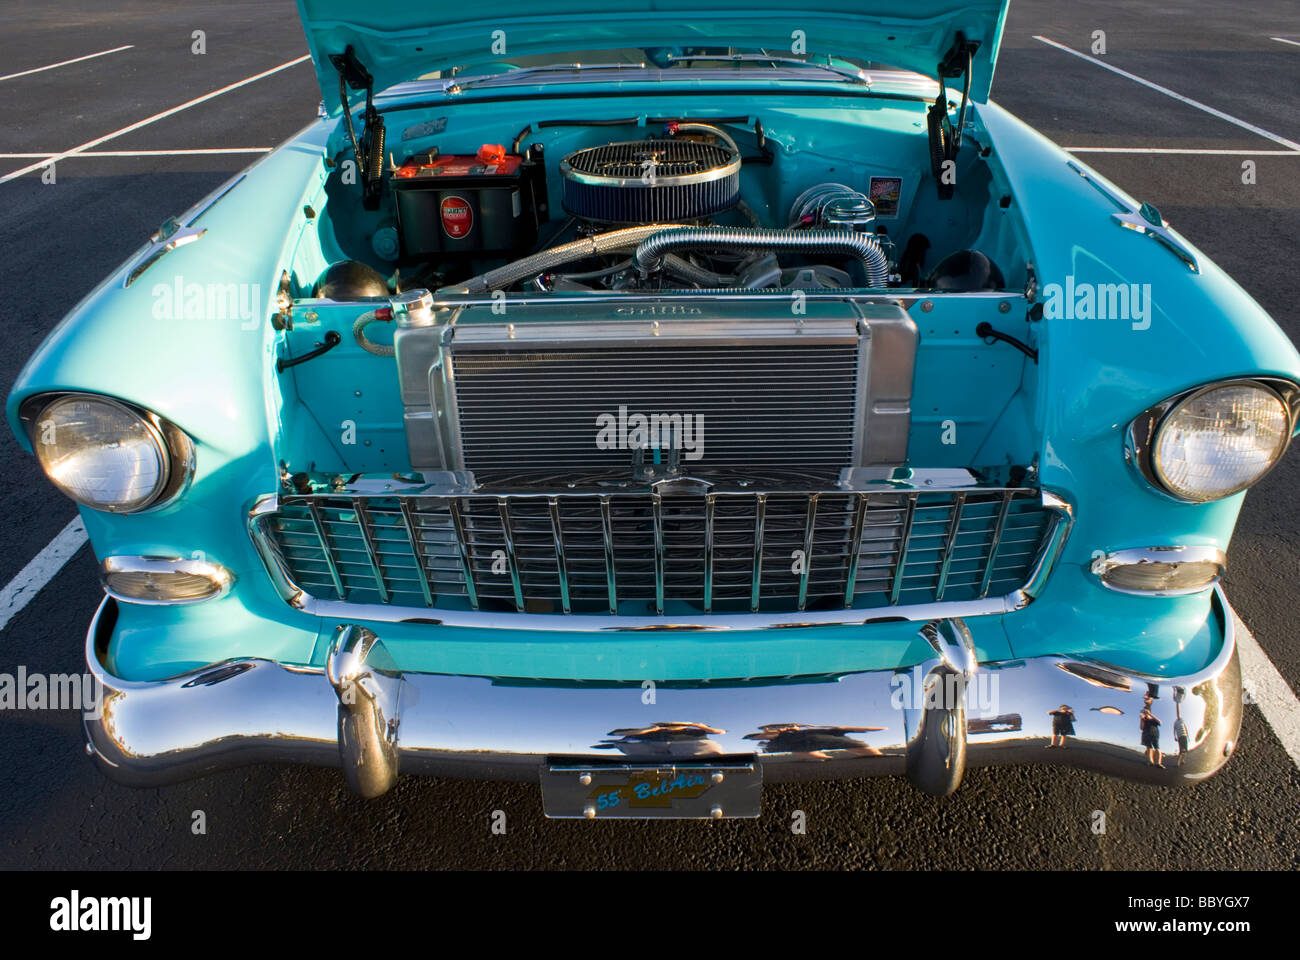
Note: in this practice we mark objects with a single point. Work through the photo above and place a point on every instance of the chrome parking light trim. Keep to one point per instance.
(1161, 555)
(220, 578)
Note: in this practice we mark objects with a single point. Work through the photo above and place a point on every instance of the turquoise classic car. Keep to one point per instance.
(652, 404)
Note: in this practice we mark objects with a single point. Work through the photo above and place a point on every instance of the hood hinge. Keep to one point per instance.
(369, 152)
(945, 137)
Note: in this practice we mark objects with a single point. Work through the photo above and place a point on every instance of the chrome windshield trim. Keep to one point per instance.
(409, 93)
(459, 84)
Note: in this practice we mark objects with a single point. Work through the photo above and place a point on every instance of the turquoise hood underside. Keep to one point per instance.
(402, 41)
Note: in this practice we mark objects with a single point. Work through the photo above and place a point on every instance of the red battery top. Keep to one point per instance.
(461, 166)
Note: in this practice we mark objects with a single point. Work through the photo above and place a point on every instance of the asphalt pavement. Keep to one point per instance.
(59, 240)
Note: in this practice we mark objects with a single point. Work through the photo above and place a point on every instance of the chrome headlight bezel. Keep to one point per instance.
(1143, 431)
(176, 446)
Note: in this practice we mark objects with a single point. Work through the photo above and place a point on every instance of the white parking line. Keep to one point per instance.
(64, 63)
(140, 153)
(19, 591)
(1294, 43)
(148, 120)
(1269, 691)
(1259, 131)
(1197, 151)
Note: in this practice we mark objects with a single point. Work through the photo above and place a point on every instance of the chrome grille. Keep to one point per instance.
(636, 554)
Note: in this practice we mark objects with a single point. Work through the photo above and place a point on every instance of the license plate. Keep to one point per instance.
(633, 792)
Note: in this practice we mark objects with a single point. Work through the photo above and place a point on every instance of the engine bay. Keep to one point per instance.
(644, 204)
(453, 291)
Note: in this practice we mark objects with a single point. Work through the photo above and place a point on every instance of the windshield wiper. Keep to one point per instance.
(857, 76)
(458, 85)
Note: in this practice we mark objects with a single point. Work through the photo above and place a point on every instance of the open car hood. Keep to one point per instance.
(397, 41)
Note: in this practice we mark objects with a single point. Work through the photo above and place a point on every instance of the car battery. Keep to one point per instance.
(480, 205)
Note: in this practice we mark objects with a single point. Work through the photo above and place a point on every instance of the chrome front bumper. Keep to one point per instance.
(373, 721)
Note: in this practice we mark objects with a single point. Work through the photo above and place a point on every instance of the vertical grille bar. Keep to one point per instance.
(322, 534)
(809, 525)
(512, 561)
(905, 537)
(994, 544)
(954, 525)
(657, 505)
(363, 524)
(561, 563)
(756, 581)
(607, 531)
(710, 504)
(471, 589)
(859, 518)
(417, 550)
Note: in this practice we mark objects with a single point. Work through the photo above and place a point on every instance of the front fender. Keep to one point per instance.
(1096, 375)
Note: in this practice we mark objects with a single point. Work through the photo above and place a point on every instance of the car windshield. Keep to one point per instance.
(655, 61)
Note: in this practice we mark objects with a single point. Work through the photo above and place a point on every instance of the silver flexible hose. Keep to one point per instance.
(547, 260)
(359, 333)
(650, 252)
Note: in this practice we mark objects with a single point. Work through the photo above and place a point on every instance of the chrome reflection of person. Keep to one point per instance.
(1180, 725)
(1151, 735)
(1062, 725)
(1180, 734)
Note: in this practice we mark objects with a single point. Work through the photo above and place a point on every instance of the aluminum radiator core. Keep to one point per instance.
(650, 181)
(578, 388)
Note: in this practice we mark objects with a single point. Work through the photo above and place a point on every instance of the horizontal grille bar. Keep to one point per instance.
(638, 554)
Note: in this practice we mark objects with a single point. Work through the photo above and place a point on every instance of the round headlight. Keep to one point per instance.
(1220, 440)
(101, 453)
